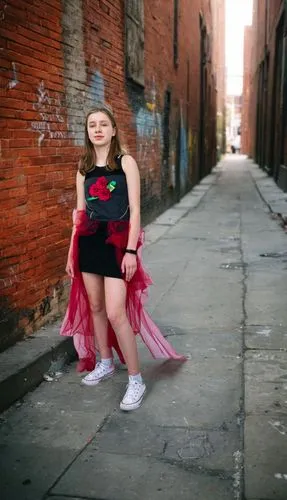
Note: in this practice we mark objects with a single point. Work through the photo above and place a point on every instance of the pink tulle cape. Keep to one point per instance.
(78, 319)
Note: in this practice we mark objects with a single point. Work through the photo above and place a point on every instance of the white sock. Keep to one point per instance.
(107, 362)
(136, 378)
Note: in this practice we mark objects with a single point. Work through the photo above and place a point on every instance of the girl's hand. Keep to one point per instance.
(129, 265)
(69, 267)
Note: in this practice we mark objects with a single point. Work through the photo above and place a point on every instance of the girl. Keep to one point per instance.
(104, 261)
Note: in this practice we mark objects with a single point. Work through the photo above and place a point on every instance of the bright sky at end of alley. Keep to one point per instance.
(238, 15)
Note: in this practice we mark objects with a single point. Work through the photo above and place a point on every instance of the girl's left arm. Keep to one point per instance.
(129, 262)
(133, 181)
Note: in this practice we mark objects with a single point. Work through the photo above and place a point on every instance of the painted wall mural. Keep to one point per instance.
(183, 162)
(148, 123)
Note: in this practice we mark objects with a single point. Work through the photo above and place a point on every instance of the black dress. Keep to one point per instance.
(106, 197)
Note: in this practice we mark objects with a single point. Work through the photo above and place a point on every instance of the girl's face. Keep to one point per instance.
(100, 129)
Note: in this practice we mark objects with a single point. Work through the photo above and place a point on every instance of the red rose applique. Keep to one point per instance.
(101, 189)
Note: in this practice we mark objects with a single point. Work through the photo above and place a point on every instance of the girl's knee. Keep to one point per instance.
(96, 307)
(116, 317)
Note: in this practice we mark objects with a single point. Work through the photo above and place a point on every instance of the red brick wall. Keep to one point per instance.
(218, 36)
(56, 62)
(266, 16)
(245, 123)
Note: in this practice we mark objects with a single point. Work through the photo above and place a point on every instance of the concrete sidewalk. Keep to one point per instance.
(213, 428)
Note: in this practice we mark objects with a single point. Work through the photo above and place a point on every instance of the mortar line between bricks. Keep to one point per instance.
(49, 492)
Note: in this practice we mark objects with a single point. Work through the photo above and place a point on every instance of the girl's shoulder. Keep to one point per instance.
(128, 162)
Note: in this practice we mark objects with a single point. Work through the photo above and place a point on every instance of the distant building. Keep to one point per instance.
(245, 122)
(233, 118)
(264, 125)
(218, 38)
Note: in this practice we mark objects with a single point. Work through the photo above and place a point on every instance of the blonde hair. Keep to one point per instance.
(87, 162)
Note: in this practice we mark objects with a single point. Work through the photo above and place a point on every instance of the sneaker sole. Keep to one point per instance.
(133, 406)
(97, 381)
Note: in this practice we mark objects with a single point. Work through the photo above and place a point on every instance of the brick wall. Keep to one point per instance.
(246, 129)
(264, 108)
(218, 37)
(57, 60)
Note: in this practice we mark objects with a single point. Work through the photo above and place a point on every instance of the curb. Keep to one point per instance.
(271, 194)
(26, 364)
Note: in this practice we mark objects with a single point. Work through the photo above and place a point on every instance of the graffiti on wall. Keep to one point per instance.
(8, 77)
(183, 154)
(14, 80)
(75, 73)
(149, 125)
(97, 89)
(50, 113)
(82, 90)
(192, 154)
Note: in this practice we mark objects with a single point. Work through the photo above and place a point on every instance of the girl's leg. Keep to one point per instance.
(115, 298)
(94, 285)
(115, 295)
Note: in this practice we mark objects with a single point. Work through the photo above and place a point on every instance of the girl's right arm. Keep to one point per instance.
(81, 205)
(81, 202)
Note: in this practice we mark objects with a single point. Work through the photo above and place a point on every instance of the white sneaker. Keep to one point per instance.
(101, 372)
(133, 396)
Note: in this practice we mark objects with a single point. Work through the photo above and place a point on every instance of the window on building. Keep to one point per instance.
(175, 33)
(134, 47)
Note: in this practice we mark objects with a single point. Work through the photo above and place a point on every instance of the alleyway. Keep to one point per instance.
(224, 305)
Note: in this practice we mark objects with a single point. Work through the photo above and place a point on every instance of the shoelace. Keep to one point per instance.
(99, 369)
(99, 366)
(132, 387)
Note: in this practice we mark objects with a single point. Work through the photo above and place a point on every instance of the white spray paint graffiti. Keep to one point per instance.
(13, 81)
(50, 111)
